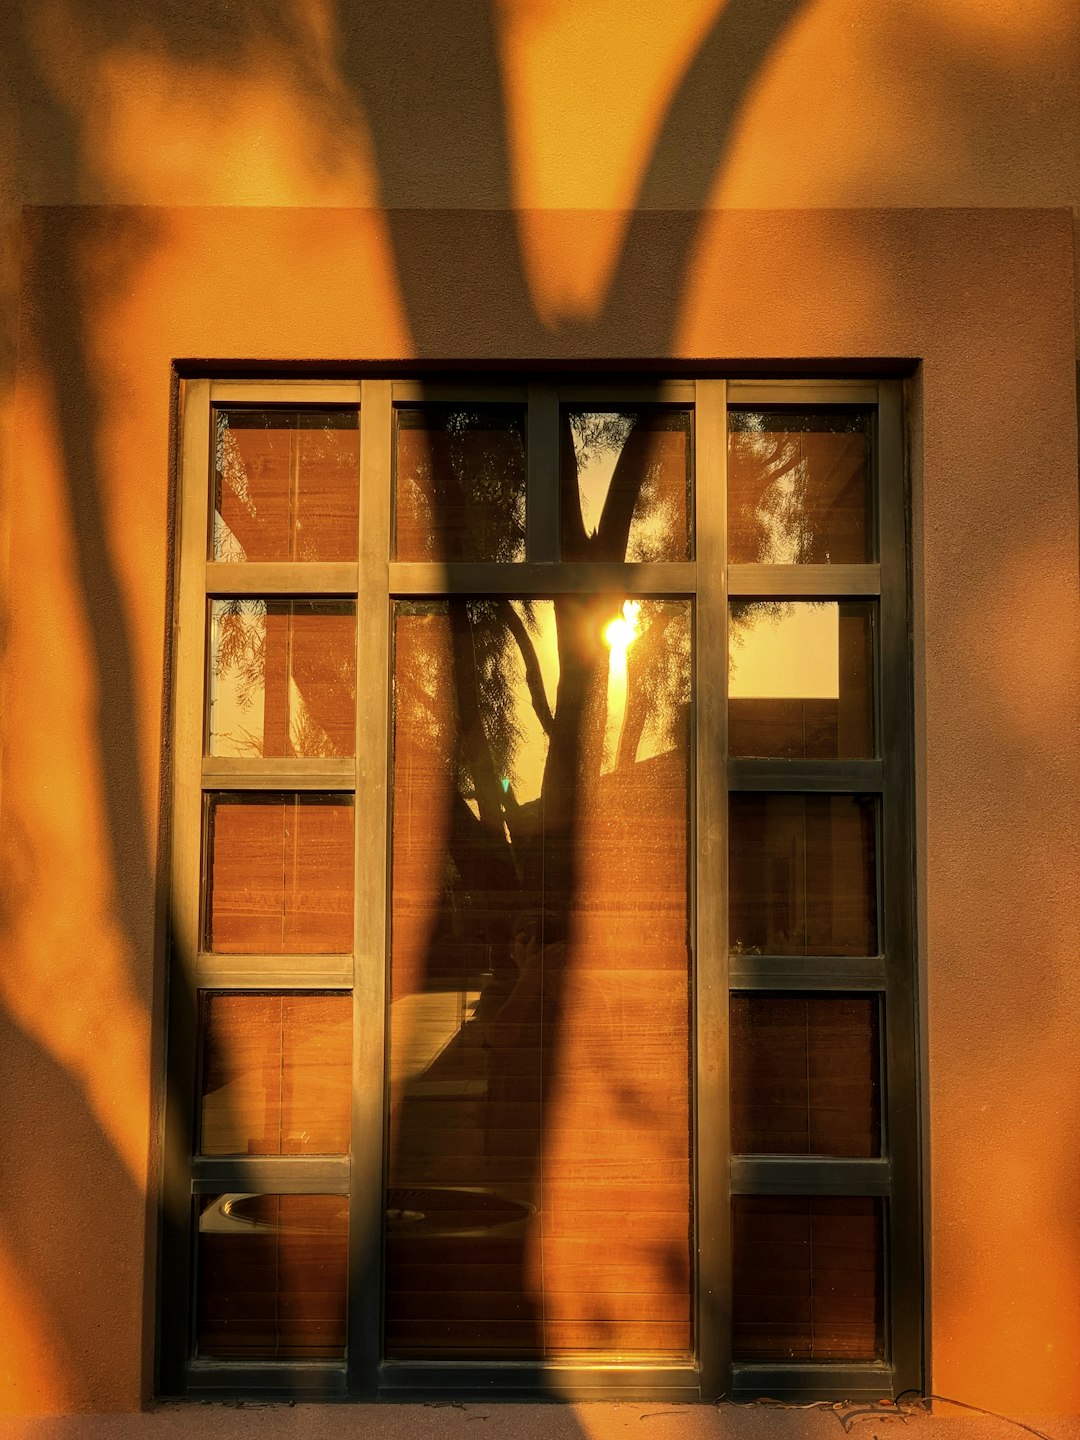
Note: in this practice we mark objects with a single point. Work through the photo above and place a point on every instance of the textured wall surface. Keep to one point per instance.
(559, 182)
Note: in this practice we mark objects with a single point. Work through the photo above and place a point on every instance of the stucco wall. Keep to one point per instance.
(114, 296)
(537, 181)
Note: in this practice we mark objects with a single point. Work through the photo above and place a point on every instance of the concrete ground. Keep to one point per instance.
(457, 1420)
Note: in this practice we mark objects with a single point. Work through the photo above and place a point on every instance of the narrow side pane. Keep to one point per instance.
(799, 486)
(271, 1277)
(627, 484)
(282, 678)
(279, 873)
(459, 482)
(808, 1278)
(805, 1075)
(803, 874)
(801, 679)
(286, 484)
(276, 1074)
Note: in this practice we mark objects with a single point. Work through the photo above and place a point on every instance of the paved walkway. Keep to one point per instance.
(455, 1420)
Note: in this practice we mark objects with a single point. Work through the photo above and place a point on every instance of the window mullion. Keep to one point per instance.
(712, 1143)
(370, 879)
(189, 627)
(901, 1118)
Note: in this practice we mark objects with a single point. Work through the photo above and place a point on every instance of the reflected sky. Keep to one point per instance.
(785, 650)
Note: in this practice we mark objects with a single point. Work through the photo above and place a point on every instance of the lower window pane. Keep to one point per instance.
(808, 1278)
(804, 1075)
(539, 1178)
(272, 1276)
(275, 1074)
(803, 874)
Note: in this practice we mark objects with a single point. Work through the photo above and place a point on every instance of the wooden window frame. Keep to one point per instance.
(376, 581)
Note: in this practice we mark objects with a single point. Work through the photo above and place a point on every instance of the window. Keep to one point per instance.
(542, 1012)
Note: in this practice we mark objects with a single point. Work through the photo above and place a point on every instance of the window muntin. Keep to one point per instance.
(852, 759)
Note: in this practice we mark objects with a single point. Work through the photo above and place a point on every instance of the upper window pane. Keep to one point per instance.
(282, 677)
(799, 487)
(800, 679)
(460, 482)
(286, 484)
(627, 484)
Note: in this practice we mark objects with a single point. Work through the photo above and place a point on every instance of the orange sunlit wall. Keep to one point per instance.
(705, 181)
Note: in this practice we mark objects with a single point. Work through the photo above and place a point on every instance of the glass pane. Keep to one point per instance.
(799, 487)
(808, 1281)
(804, 1075)
(282, 677)
(286, 484)
(460, 482)
(627, 484)
(802, 870)
(276, 1074)
(280, 874)
(539, 1185)
(801, 679)
(272, 1276)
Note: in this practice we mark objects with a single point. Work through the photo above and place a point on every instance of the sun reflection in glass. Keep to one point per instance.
(619, 634)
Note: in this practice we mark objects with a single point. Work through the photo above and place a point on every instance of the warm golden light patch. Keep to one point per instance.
(621, 633)
(29, 1364)
(204, 135)
(791, 655)
(830, 118)
(587, 88)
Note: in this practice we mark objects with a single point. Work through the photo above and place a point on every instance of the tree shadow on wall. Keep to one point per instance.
(432, 93)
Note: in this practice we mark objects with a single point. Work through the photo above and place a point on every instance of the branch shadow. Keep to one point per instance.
(439, 130)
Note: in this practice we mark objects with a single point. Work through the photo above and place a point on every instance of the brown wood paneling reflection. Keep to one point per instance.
(272, 1276)
(803, 874)
(276, 1074)
(460, 482)
(804, 1075)
(280, 874)
(539, 1187)
(322, 666)
(808, 1278)
(286, 484)
(794, 728)
(282, 678)
(799, 487)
